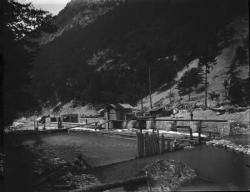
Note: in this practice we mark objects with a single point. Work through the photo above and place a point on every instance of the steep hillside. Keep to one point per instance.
(77, 13)
(103, 55)
(224, 69)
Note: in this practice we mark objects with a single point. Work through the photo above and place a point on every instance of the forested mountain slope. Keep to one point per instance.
(228, 77)
(102, 54)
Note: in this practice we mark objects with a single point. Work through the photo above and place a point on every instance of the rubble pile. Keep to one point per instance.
(168, 175)
(62, 175)
(79, 181)
(43, 166)
(70, 180)
(226, 144)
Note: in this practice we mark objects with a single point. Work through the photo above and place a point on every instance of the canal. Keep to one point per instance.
(217, 169)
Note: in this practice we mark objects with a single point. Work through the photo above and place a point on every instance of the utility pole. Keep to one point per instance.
(150, 92)
(141, 104)
(206, 72)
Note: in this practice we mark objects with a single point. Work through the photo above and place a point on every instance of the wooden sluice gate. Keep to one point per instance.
(152, 144)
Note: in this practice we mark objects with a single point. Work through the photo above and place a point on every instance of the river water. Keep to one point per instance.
(217, 169)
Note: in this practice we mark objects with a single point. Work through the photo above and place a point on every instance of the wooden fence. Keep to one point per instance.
(152, 144)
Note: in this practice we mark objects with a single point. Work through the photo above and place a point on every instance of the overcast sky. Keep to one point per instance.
(53, 6)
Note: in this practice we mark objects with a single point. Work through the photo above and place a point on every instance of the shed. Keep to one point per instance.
(70, 118)
(117, 113)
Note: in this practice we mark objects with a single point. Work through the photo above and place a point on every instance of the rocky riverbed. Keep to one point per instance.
(56, 174)
(244, 149)
(168, 175)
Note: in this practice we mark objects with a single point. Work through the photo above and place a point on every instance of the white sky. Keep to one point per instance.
(53, 6)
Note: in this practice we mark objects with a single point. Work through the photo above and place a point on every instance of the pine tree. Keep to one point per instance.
(189, 81)
(17, 22)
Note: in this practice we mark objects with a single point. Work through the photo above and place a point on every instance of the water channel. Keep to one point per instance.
(217, 169)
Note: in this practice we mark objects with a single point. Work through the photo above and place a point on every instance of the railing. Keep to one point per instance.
(200, 126)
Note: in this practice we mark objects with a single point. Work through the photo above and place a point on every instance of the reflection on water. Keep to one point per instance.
(217, 169)
(225, 170)
(96, 149)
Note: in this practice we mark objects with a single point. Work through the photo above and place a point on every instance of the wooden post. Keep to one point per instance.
(191, 134)
(206, 84)
(79, 118)
(174, 126)
(228, 128)
(158, 143)
(150, 93)
(59, 124)
(146, 144)
(199, 131)
(150, 149)
(142, 144)
(162, 143)
(154, 143)
(168, 145)
(151, 144)
(174, 144)
(138, 143)
(107, 118)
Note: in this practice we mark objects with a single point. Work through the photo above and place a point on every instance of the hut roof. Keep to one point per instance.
(120, 106)
(157, 109)
(126, 106)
